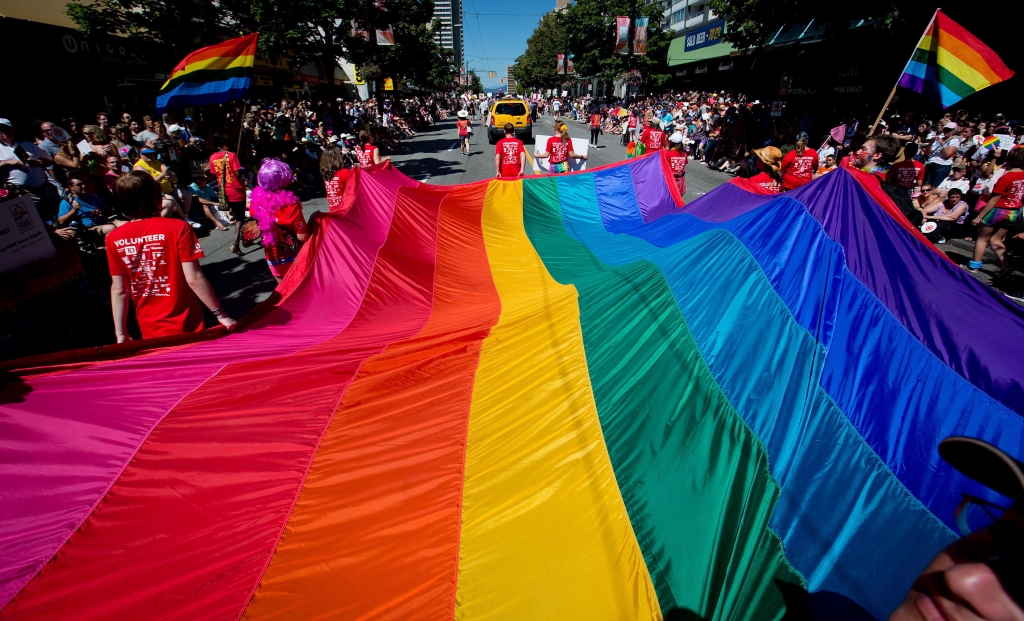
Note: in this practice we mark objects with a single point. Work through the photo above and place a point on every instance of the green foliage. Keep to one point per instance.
(475, 84)
(306, 30)
(586, 32)
(536, 67)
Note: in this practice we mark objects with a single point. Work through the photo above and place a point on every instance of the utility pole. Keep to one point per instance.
(630, 61)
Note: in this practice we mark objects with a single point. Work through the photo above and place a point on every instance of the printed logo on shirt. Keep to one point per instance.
(510, 153)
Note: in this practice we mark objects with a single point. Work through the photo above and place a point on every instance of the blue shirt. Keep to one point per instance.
(208, 193)
(90, 209)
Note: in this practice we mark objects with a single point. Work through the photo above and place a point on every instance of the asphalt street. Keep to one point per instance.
(431, 156)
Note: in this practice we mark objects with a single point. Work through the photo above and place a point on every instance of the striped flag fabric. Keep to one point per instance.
(211, 75)
(621, 35)
(640, 36)
(951, 63)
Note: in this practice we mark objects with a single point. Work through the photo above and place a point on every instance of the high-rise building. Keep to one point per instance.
(561, 5)
(450, 36)
(510, 80)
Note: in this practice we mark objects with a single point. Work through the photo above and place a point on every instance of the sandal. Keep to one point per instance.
(235, 249)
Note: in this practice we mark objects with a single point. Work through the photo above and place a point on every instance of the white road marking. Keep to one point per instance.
(454, 144)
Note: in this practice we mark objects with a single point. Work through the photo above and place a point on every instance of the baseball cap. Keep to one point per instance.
(187, 119)
(959, 167)
(6, 122)
(148, 151)
(986, 464)
(950, 125)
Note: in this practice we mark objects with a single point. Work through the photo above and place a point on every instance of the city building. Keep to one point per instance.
(450, 36)
(510, 79)
(562, 5)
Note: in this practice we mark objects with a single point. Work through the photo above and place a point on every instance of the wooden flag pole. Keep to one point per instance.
(893, 92)
(241, 126)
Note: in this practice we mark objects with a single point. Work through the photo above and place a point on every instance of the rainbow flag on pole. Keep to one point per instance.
(211, 75)
(951, 63)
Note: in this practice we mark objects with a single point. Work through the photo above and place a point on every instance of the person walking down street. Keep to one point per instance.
(653, 138)
(798, 166)
(230, 187)
(367, 153)
(278, 214)
(559, 150)
(335, 176)
(595, 127)
(677, 159)
(768, 160)
(1001, 210)
(155, 260)
(465, 131)
(509, 155)
(556, 107)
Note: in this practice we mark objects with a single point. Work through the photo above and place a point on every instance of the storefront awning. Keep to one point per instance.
(678, 56)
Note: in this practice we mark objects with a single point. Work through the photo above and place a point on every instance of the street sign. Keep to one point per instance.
(776, 108)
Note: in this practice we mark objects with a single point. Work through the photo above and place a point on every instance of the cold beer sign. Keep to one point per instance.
(708, 35)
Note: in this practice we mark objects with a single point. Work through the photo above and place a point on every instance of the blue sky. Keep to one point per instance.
(496, 32)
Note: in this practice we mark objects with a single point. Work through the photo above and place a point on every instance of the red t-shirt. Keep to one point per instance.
(558, 150)
(767, 182)
(233, 190)
(1010, 189)
(290, 222)
(797, 169)
(511, 151)
(365, 155)
(595, 120)
(677, 161)
(463, 126)
(336, 188)
(653, 139)
(148, 254)
(632, 122)
(905, 174)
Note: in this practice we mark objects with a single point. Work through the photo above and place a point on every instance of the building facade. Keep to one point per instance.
(450, 36)
(510, 79)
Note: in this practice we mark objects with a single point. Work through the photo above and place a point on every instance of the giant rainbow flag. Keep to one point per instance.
(561, 397)
(950, 63)
(211, 75)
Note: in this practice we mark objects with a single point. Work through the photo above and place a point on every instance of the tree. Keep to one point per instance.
(475, 84)
(590, 28)
(536, 67)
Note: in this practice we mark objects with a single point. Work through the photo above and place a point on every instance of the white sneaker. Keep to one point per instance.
(193, 223)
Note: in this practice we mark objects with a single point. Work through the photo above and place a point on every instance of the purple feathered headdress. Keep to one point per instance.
(270, 196)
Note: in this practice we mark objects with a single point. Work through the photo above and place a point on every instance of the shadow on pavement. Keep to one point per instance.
(240, 285)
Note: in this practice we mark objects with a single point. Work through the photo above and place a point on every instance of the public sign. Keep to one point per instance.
(704, 36)
(776, 108)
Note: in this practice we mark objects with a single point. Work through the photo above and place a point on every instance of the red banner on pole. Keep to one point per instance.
(560, 66)
(621, 35)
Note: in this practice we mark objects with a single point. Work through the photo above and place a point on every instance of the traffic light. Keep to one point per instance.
(491, 74)
(502, 80)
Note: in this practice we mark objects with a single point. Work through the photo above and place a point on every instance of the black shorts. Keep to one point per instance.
(237, 210)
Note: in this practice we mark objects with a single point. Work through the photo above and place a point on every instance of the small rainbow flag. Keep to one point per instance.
(951, 63)
(990, 142)
(211, 75)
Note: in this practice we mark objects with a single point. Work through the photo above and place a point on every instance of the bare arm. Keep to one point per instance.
(497, 164)
(204, 291)
(119, 308)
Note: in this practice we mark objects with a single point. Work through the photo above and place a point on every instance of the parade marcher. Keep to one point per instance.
(595, 127)
(768, 162)
(367, 152)
(908, 173)
(509, 154)
(465, 131)
(677, 159)
(279, 216)
(798, 166)
(231, 187)
(1001, 210)
(559, 150)
(653, 137)
(156, 261)
(335, 175)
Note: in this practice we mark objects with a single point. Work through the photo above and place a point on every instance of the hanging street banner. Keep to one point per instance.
(640, 37)
(621, 35)
(560, 64)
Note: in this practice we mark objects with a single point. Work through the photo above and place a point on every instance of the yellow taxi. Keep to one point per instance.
(509, 110)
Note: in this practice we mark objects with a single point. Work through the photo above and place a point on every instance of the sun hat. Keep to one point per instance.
(174, 128)
(769, 155)
(950, 125)
(6, 122)
(986, 464)
(463, 114)
(676, 137)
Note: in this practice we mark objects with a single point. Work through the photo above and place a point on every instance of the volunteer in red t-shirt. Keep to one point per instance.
(335, 176)
(230, 186)
(768, 177)
(798, 166)
(278, 213)
(1001, 211)
(368, 154)
(559, 150)
(653, 138)
(509, 154)
(156, 261)
(677, 159)
(632, 125)
(909, 173)
(595, 127)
